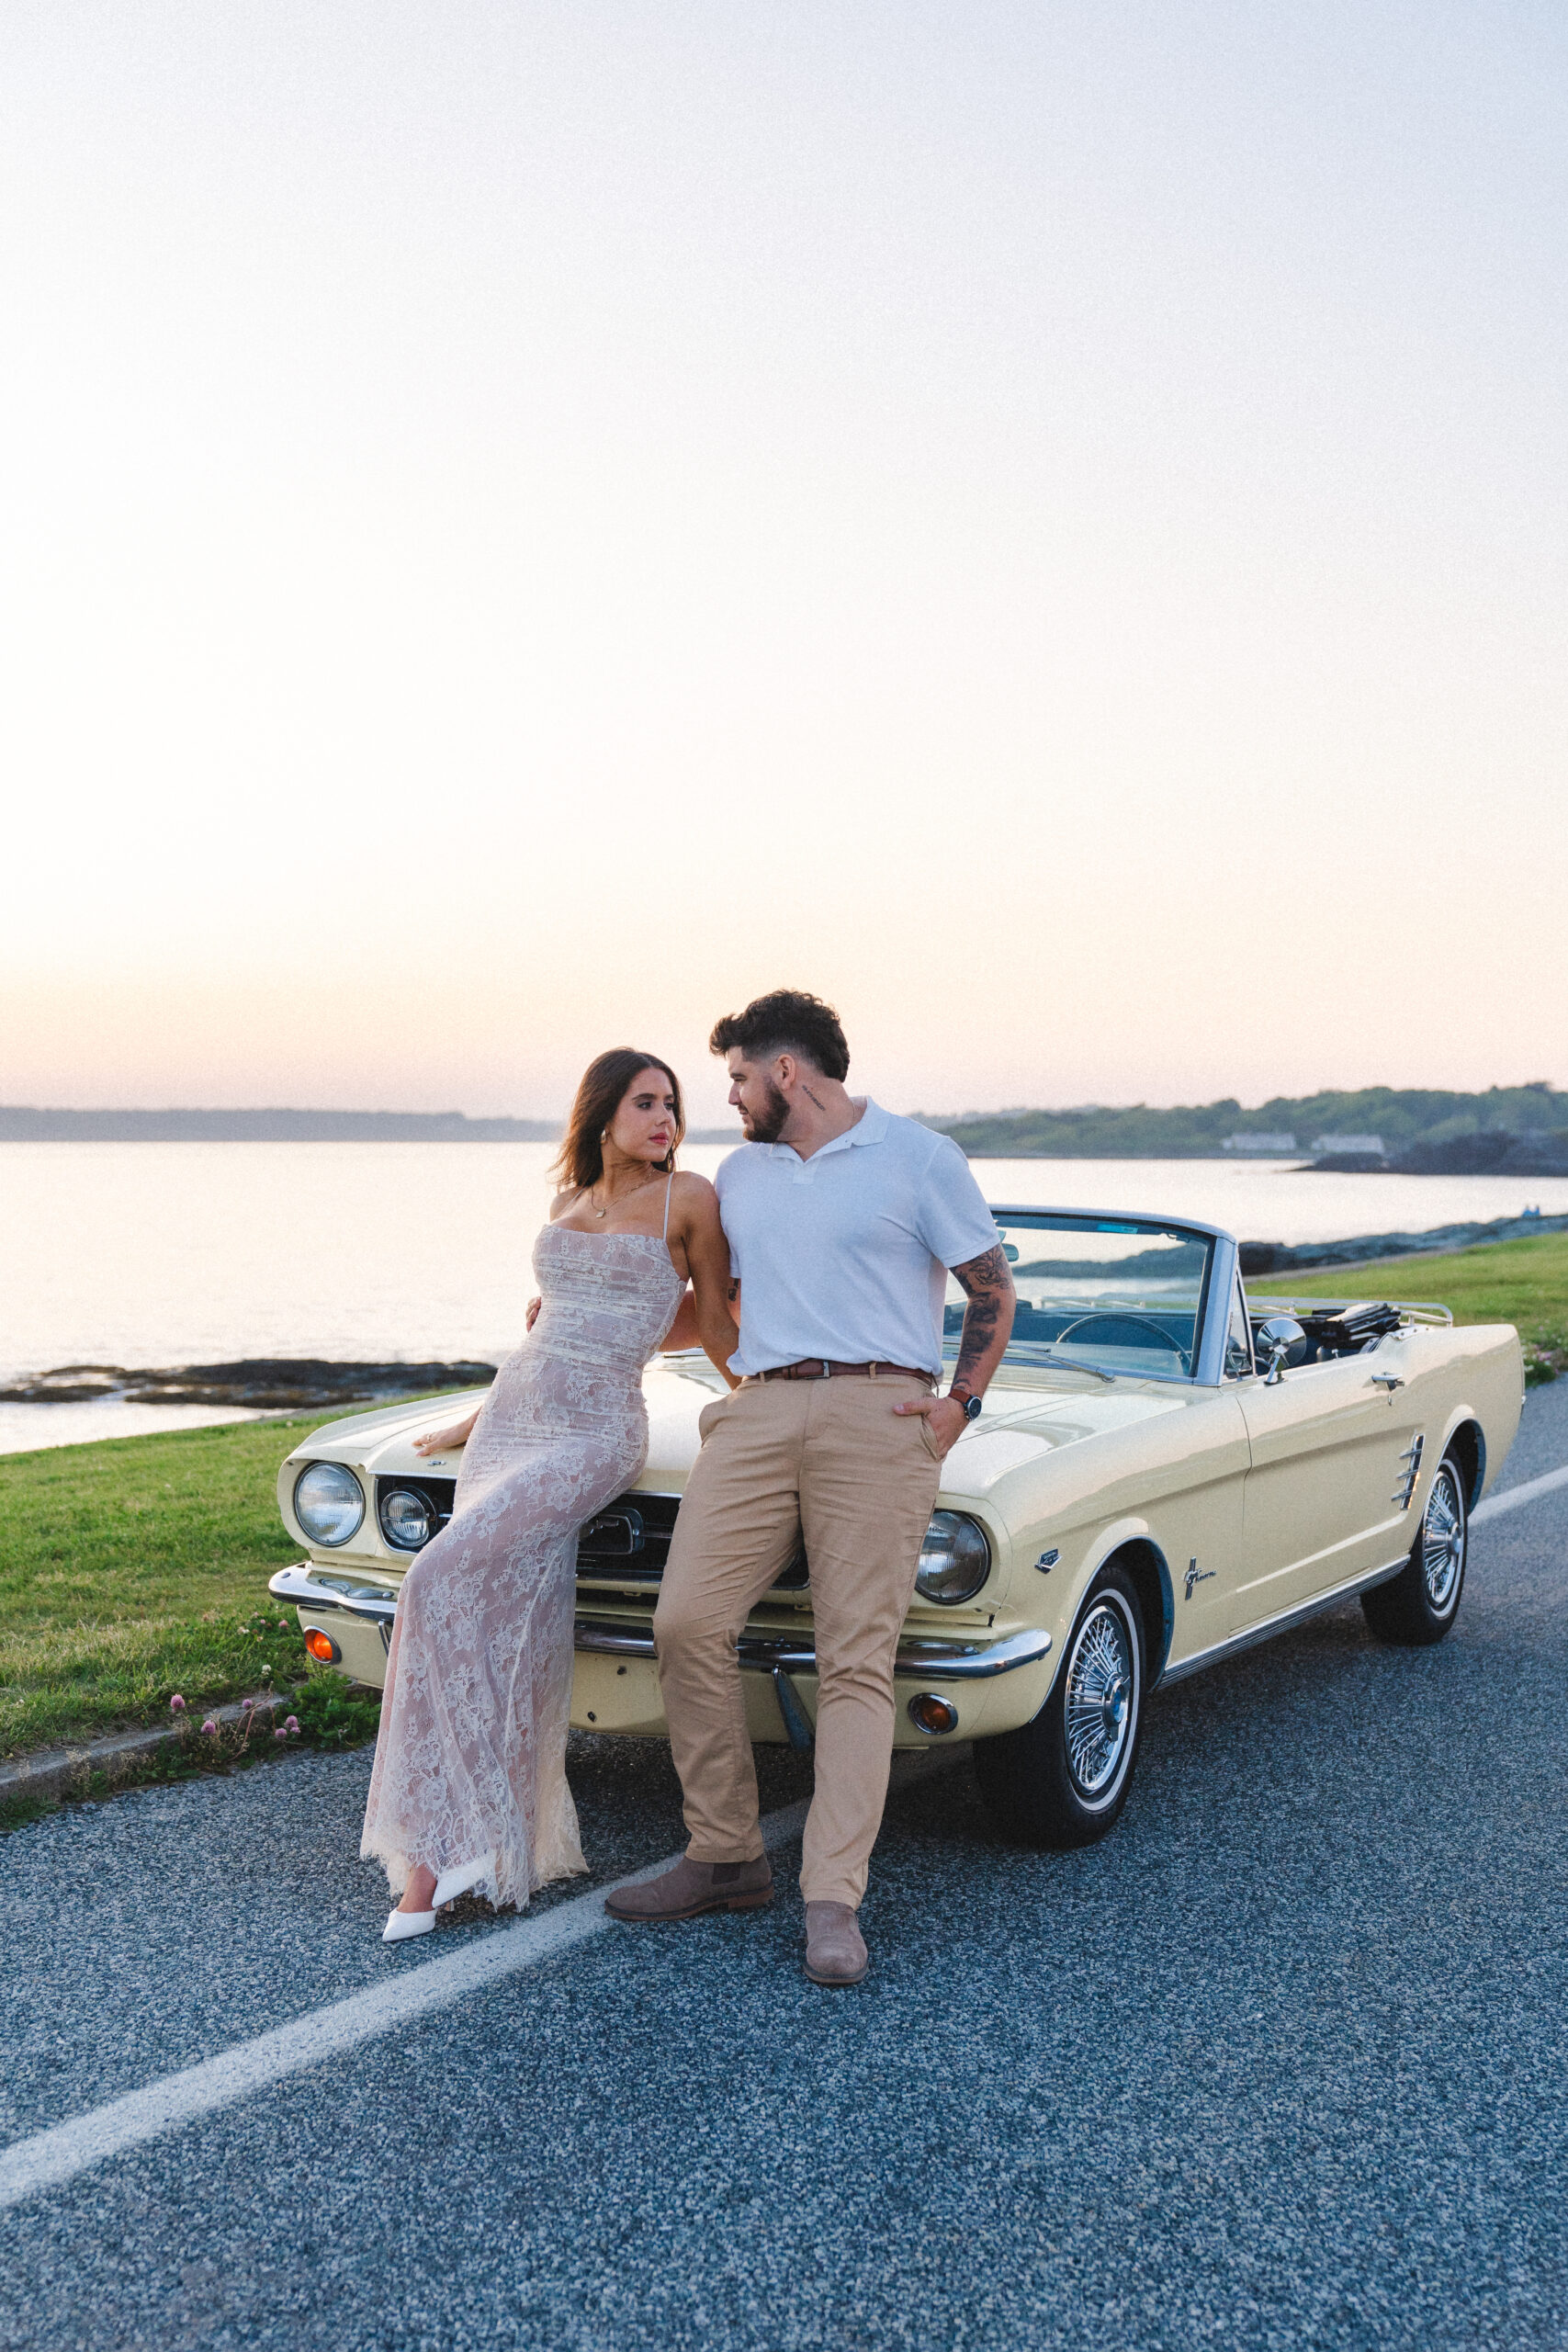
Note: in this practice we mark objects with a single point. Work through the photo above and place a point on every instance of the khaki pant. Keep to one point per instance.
(832, 1461)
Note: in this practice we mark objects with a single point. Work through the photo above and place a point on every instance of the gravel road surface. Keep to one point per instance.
(1283, 2063)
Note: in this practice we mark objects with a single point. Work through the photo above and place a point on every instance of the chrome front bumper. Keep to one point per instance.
(917, 1660)
(309, 1588)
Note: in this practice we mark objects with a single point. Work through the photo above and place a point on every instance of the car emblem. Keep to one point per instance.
(1047, 1561)
(1195, 1574)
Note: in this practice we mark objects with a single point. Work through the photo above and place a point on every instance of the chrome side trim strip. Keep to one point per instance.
(938, 1661)
(298, 1586)
(1283, 1624)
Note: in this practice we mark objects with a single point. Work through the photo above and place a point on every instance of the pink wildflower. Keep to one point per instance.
(210, 1724)
(280, 1735)
(292, 1726)
(246, 1705)
(177, 1704)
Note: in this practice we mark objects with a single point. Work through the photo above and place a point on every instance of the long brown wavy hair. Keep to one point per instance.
(604, 1086)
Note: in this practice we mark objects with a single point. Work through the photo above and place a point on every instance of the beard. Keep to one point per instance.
(767, 1125)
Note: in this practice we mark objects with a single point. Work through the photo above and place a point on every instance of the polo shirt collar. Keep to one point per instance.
(870, 1128)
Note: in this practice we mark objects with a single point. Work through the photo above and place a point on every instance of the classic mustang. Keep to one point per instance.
(1165, 1472)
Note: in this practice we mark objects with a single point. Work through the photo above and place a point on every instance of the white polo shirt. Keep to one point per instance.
(845, 1254)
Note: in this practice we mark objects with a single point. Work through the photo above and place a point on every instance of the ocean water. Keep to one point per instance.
(158, 1254)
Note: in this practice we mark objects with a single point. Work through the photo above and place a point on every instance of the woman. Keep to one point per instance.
(470, 1784)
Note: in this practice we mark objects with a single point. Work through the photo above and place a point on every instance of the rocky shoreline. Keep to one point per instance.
(1495, 1153)
(1282, 1257)
(260, 1384)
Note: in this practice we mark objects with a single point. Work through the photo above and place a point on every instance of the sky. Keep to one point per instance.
(529, 524)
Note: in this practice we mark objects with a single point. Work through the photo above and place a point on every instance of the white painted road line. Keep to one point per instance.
(1517, 1496)
(50, 2157)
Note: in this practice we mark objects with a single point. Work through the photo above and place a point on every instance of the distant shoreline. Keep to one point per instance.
(22, 1125)
(1507, 1131)
(1456, 1158)
(1453, 1159)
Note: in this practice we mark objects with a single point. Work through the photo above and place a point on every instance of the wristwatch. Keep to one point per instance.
(967, 1399)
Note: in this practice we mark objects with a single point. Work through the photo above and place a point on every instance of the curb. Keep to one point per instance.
(55, 1771)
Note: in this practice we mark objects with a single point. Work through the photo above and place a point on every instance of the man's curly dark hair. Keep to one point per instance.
(787, 1020)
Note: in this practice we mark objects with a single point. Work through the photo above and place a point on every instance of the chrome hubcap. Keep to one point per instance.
(1442, 1540)
(1098, 1708)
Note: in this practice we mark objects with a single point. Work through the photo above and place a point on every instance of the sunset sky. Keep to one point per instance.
(529, 524)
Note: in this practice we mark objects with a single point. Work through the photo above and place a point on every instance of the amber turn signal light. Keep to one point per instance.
(930, 1713)
(323, 1645)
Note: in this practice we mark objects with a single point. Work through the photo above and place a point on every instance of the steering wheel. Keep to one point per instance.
(1139, 1322)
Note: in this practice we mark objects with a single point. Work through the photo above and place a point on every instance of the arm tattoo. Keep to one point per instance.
(987, 1286)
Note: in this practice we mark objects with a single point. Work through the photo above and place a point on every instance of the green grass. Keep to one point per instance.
(1522, 1282)
(136, 1567)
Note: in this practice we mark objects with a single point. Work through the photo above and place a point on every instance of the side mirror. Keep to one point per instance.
(1275, 1340)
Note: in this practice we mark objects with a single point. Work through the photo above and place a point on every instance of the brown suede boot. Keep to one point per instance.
(835, 1949)
(692, 1888)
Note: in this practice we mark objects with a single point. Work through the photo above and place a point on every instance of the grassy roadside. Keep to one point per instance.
(1522, 1282)
(136, 1567)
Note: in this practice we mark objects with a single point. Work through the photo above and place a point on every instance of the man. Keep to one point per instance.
(842, 1220)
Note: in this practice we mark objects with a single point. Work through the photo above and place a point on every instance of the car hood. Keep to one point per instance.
(1018, 1424)
(384, 1439)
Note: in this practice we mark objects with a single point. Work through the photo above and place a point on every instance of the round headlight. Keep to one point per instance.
(407, 1520)
(956, 1558)
(329, 1502)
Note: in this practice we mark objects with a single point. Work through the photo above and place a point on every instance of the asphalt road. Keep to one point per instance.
(1281, 2062)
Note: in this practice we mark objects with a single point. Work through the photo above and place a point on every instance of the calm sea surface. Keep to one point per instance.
(153, 1254)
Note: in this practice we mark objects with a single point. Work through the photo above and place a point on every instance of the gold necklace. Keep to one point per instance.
(636, 1188)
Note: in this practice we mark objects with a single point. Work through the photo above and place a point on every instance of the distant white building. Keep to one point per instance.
(1274, 1147)
(1365, 1147)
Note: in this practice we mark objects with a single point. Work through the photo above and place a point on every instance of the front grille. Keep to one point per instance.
(628, 1543)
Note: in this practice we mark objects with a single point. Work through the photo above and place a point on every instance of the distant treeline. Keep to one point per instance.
(22, 1125)
(1400, 1115)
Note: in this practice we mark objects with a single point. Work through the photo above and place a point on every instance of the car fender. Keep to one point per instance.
(1107, 1542)
(1492, 1405)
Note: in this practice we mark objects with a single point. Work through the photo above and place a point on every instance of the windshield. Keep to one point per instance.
(1121, 1293)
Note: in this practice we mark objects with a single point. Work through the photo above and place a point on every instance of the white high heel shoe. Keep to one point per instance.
(462, 1881)
(403, 1923)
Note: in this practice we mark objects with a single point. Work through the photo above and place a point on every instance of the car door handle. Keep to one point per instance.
(1388, 1380)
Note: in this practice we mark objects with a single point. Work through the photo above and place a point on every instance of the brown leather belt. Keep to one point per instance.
(823, 1368)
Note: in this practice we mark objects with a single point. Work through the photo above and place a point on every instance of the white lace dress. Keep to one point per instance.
(471, 1757)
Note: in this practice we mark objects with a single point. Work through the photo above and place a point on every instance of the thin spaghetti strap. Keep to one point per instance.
(668, 1183)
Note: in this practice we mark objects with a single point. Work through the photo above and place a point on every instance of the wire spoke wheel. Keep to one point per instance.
(1442, 1539)
(1099, 1711)
(1419, 1605)
(1060, 1780)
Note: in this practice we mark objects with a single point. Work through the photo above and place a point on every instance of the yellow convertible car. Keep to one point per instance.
(1165, 1472)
